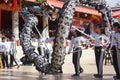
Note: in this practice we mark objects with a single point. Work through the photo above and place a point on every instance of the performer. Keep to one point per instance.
(75, 45)
(100, 41)
(45, 48)
(49, 48)
(4, 53)
(41, 46)
(13, 52)
(115, 46)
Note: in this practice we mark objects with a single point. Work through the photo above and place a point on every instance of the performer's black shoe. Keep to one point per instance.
(95, 74)
(76, 74)
(116, 77)
(98, 76)
(81, 70)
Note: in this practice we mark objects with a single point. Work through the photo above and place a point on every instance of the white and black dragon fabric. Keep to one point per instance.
(63, 27)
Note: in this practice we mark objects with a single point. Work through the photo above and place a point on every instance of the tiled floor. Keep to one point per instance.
(29, 73)
(87, 62)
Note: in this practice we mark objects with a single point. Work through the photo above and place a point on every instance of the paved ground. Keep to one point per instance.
(29, 72)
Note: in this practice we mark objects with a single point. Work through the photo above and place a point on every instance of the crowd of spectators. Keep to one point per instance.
(8, 49)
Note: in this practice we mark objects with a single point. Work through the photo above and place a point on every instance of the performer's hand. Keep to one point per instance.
(107, 24)
(104, 45)
(89, 37)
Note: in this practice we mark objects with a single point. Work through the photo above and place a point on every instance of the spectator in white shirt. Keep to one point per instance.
(13, 52)
(4, 53)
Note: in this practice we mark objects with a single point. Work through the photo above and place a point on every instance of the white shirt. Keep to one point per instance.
(13, 47)
(76, 43)
(3, 47)
(114, 37)
(100, 39)
(45, 43)
(117, 39)
(0, 39)
(41, 42)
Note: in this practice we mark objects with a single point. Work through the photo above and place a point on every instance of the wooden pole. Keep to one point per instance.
(45, 32)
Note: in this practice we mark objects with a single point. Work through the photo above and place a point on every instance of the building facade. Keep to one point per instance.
(11, 19)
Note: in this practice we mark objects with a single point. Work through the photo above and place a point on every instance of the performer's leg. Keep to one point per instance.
(97, 57)
(39, 51)
(76, 57)
(81, 69)
(118, 58)
(115, 61)
(46, 53)
(15, 60)
(102, 52)
(3, 60)
(11, 60)
(6, 60)
(78, 67)
(99, 62)
(74, 60)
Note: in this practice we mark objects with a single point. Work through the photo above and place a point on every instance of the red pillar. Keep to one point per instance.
(20, 4)
(14, 4)
(0, 19)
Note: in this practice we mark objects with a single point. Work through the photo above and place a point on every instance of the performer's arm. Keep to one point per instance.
(106, 41)
(71, 46)
(118, 40)
(108, 32)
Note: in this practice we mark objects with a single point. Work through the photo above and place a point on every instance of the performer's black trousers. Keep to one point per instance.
(43, 52)
(4, 60)
(99, 57)
(12, 58)
(115, 60)
(76, 59)
(39, 50)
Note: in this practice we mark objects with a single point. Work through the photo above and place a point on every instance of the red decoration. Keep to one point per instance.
(14, 4)
(20, 4)
(5, 1)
